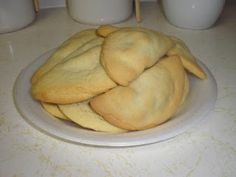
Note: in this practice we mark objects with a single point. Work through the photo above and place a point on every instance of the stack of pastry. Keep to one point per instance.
(114, 80)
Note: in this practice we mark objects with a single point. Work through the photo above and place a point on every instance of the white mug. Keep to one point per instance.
(15, 14)
(100, 11)
(193, 14)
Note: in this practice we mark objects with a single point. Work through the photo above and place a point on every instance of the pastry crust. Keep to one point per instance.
(54, 110)
(66, 48)
(116, 80)
(86, 46)
(148, 101)
(75, 80)
(83, 115)
(188, 60)
(105, 30)
(179, 48)
(128, 51)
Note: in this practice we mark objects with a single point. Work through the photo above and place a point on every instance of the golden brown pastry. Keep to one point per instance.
(116, 80)
(128, 51)
(67, 47)
(97, 41)
(74, 80)
(84, 116)
(148, 101)
(54, 110)
(188, 60)
(179, 48)
(105, 30)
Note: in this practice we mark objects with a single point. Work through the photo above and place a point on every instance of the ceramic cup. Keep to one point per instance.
(15, 14)
(100, 11)
(193, 14)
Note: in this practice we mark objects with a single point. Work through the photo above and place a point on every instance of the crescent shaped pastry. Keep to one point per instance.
(86, 46)
(53, 110)
(105, 30)
(188, 60)
(128, 51)
(83, 115)
(179, 48)
(77, 79)
(67, 47)
(148, 101)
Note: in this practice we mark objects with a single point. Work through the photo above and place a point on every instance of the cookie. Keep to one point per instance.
(97, 41)
(128, 51)
(188, 60)
(66, 48)
(105, 30)
(83, 115)
(146, 102)
(77, 79)
(53, 110)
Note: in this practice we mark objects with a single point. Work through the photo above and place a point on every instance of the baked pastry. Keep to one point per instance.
(97, 41)
(116, 80)
(105, 30)
(74, 80)
(180, 49)
(188, 60)
(148, 101)
(83, 115)
(66, 48)
(128, 51)
(54, 110)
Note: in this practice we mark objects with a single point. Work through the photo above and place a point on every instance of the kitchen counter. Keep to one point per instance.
(207, 149)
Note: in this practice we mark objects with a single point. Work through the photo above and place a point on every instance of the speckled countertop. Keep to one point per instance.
(208, 149)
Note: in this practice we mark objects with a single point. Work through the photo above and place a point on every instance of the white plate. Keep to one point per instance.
(200, 101)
